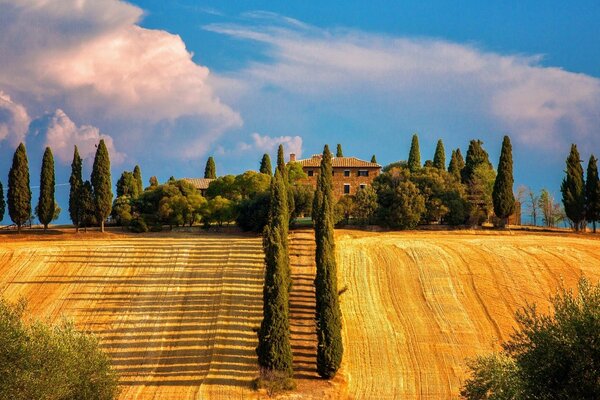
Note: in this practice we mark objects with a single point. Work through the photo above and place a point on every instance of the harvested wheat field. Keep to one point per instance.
(176, 312)
(418, 303)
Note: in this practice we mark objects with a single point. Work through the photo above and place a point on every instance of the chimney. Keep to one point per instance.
(292, 157)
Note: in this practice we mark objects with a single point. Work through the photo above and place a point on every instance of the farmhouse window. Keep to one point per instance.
(346, 188)
(310, 172)
(346, 172)
(362, 186)
(363, 172)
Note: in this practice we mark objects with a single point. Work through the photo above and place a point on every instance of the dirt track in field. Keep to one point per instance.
(176, 312)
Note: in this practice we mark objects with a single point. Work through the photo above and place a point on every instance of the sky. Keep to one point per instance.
(166, 84)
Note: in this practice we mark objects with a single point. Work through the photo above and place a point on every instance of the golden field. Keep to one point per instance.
(176, 312)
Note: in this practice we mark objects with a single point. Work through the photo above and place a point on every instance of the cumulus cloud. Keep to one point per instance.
(14, 120)
(266, 144)
(539, 105)
(61, 134)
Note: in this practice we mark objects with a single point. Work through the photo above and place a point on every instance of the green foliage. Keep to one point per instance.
(265, 165)
(502, 194)
(128, 185)
(153, 181)
(365, 205)
(476, 156)
(274, 350)
(137, 175)
(249, 184)
(401, 205)
(330, 348)
(374, 159)
(43, 362)
(210, 170)
(397, 164)
(414, 157)
(87, 206)
(223, 186)
(479, 194)
(274, 382)
(457, 163)
(439, 158)
(46, 203)
(303, 196)
(339, 152)
(573, 190)
(592, 192)
(253, 213)
(554, 356)
(344, 210)
(138, 225)
(281, 161)
(102, 184)
(295, 172)
(219, 210)
(122, 210)
(76, 185)
(19, 192)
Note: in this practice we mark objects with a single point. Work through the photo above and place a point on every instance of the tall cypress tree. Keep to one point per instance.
(572, 188)
(502, 195)
(19, 192)
(265, 165)
(476, 156)
(374, 159)
(76, 183)
(439, 158)
(281, 162)
(102, 184)
(330, 348)
(457, 163)
(2, 202)
(414, 157)
(339, 152)
(87, 206)
(274, 350)
(210, 170)
(137, 174)
(592, 192)
(46, 203)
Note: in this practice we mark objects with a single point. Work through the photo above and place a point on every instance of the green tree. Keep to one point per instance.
(592, 192)
(87, 206)
(122, 211)
(223, 186)
(153, 181)
(210, 170)
(19, 192)
(476, 156)
(274, 350)
(502, 195)
(127, 185)
(365, 205)
(265, 165)
(46, 204)
(414, 157)
(281, 162)
(250, 183)
(2, 202)
(339, 152)
(102, 184)
(573, 190)
(401, 205)
(457, 163)
(439, 158)
(374, 159)
(76, 184)
(137, 174)
(330, 348)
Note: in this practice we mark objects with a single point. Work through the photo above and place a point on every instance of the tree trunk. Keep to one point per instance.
(102, 226)
(18, 228)
(594, 225)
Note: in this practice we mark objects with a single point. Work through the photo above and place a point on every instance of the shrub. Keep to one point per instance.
(138, 225)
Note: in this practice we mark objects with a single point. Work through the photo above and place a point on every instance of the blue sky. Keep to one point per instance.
(169, 83)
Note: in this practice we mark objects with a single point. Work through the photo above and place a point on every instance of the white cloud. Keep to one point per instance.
(61, 134)
(537, 105)
(269, 144)
(14, 120)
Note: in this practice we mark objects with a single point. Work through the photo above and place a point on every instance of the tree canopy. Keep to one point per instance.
(210, 170)
(19, 192)
(46, 204)
(414, 156)
(573, 190)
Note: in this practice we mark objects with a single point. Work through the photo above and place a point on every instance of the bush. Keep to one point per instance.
(252, 214)
(138, 225)
(38, 361)
(274, 382)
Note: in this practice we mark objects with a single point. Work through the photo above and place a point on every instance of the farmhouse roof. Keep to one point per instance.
(199, 183)
(338, 162)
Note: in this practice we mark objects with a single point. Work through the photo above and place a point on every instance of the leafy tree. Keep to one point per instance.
(127, 185)
(76, 184)
(365, 205)
(274, 350)
(502, 195)
(439, 158)
(265, 165)
(374, 159)
(330, 348)
(102, 184)
(223, 186)
(122, 211)
(19, 192)
(2, 202)
(493, 377)
(457, 163)
(479, 194)
(476, 156)
(573, 190)
(592, 192)
(250, 183)
(46, 204)
(401, 204)
(303, 196)
(253, 213)
(344, 210)
(551, 211)
(295, 172)
(339, 152)
(210, 170)
(87, 206)
(220, 210)
(153, 181)
(281, 162)
(137, 174)
(414, 157)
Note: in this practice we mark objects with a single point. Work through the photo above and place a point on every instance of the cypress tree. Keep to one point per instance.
(46, 203)
(572, 188)
(87, 206)
(457, 163)
(19, 192)
(328, 313)
(502, 195)
(127, 185)
(76, 183)
(2, 203)
(476, 156)
(339, 152)
(414, 157)
(210, 170)
(374, 159)
(265, 165)
(281, 162)
(439, 158)
(137, 174)
(274, 350)
(101, 183)
(592, 192)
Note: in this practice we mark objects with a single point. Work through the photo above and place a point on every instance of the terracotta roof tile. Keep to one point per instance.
(338, 162)
(199, 183)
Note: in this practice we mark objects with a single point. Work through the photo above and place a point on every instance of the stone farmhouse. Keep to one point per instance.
(350, 174)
